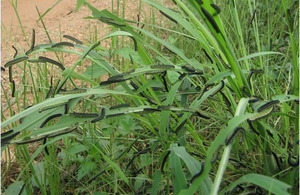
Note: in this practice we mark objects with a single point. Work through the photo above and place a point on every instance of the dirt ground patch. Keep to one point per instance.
(62, 19)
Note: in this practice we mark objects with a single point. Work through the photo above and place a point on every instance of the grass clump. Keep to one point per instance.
(198, 101)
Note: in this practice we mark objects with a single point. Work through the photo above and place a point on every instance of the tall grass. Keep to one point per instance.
(207, 104)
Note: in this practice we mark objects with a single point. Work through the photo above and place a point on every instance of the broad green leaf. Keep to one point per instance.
(85, 168)
(79, 4)
(268, 183)
(155, 182)
(179, 177)
(193, 165)
(254, 55)
(77, 148)
(14, 188)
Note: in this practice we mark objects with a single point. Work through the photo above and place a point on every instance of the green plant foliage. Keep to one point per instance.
(178, 86)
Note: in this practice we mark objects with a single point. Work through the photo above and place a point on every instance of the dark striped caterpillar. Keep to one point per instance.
(111, 21)
(200, 2)
(30, 141)
(164, 161)
(198, 174)
(151, 110)
(16, 51)
(6, 133)
(73, 91)
(290, 161)
(63, 44)
(216, 8)
(32, 43)
(226, 100)
(254, 71)
(72, 39)
(119, 106)
(136, 155)
(113, 115)
(15, 61)
(262, 114)
(252, 18)
(48, 94)
(268, 104)
(206, 54)
(84, 115)
(182, 76)
(50, 118)
(107, 82)
(13, 89)
(253, 99)
(162, 66)
(277, 160)
(165, 81)
(46, 148)
(216, 155)
(199, 114)
(66, 108)
(232, 136)
(6, 140)
(90, 49)
(164, 107)
(167, 16)
(180, 126)
(45, 59)
(252, 127)
(127, 150)
(102, 115)
(210, 19)
(134, 42)
(119, 76)
(244, 90)
(188, 68)
(115, 23)
(220, 88)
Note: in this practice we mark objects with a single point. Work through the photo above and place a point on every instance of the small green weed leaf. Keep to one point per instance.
(193, 165)
(40, 174)
(85, 168)
(94, 72)
(285, 98)
(79, 4)
(146, 160)
(173, 76)
(254, 55)
(127, 52)
(179, 182)
(77, 148)
(268, 183)
(14, 188)
(139, 180)
(155, 182)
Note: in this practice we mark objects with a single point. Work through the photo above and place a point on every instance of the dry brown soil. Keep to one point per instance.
(62, 19)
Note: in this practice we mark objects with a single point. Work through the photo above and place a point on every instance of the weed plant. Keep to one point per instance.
(199, 97)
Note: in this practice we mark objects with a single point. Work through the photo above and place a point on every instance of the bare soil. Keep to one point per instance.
(62, 19)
